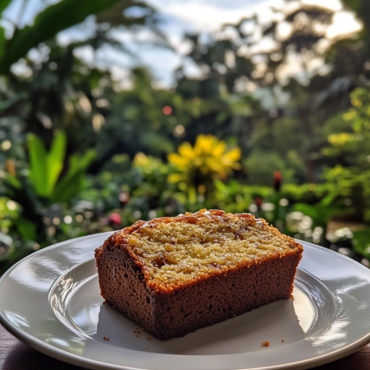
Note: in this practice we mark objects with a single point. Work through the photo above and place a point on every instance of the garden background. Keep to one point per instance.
(269, 114)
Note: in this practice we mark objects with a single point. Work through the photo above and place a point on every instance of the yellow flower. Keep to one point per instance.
(148, 164)
(209, 157)
(140, 160)
(356, 103)
(350, 115)
(340, 139)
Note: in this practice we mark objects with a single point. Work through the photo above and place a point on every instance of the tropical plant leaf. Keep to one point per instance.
(27, 229)
(68, 187)
(328, 200)
(13, 181)
(85, 160)
(2, 40)
(47, 24)
(55, 160)
(73, 181)
(38, 165)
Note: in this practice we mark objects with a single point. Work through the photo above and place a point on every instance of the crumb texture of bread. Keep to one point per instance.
(175, 275)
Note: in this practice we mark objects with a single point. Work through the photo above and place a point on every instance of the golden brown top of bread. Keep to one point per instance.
(174, 252)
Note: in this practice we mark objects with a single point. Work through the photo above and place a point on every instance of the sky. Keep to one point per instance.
(177, 17)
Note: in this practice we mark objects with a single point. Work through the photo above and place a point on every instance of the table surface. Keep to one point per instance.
(15, 355)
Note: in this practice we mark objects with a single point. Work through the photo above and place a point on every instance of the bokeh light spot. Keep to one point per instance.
(167, 110)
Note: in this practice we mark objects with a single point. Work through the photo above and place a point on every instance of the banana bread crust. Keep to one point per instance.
(168, 310)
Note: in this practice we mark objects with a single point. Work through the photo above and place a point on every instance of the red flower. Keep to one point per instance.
(278, 178)
(258, 202)
(167, 110)
(115, 219)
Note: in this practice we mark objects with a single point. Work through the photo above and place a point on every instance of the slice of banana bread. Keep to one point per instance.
(175, 275)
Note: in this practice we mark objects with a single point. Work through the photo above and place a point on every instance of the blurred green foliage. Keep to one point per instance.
(80, 154)
(47, 24)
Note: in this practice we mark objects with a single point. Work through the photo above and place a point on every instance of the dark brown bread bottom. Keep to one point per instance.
(202, 304)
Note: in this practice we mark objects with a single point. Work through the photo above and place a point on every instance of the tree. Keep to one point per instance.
(232, 59)
(60, 91)
(58, 17)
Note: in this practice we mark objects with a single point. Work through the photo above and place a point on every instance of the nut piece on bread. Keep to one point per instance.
(174, 275)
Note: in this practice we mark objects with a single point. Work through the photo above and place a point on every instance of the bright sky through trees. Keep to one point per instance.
(176, 18)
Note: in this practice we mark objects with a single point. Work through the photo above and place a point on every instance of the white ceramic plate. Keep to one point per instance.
(51, 301)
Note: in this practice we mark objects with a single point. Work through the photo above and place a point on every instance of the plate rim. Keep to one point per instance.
(84, 362)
